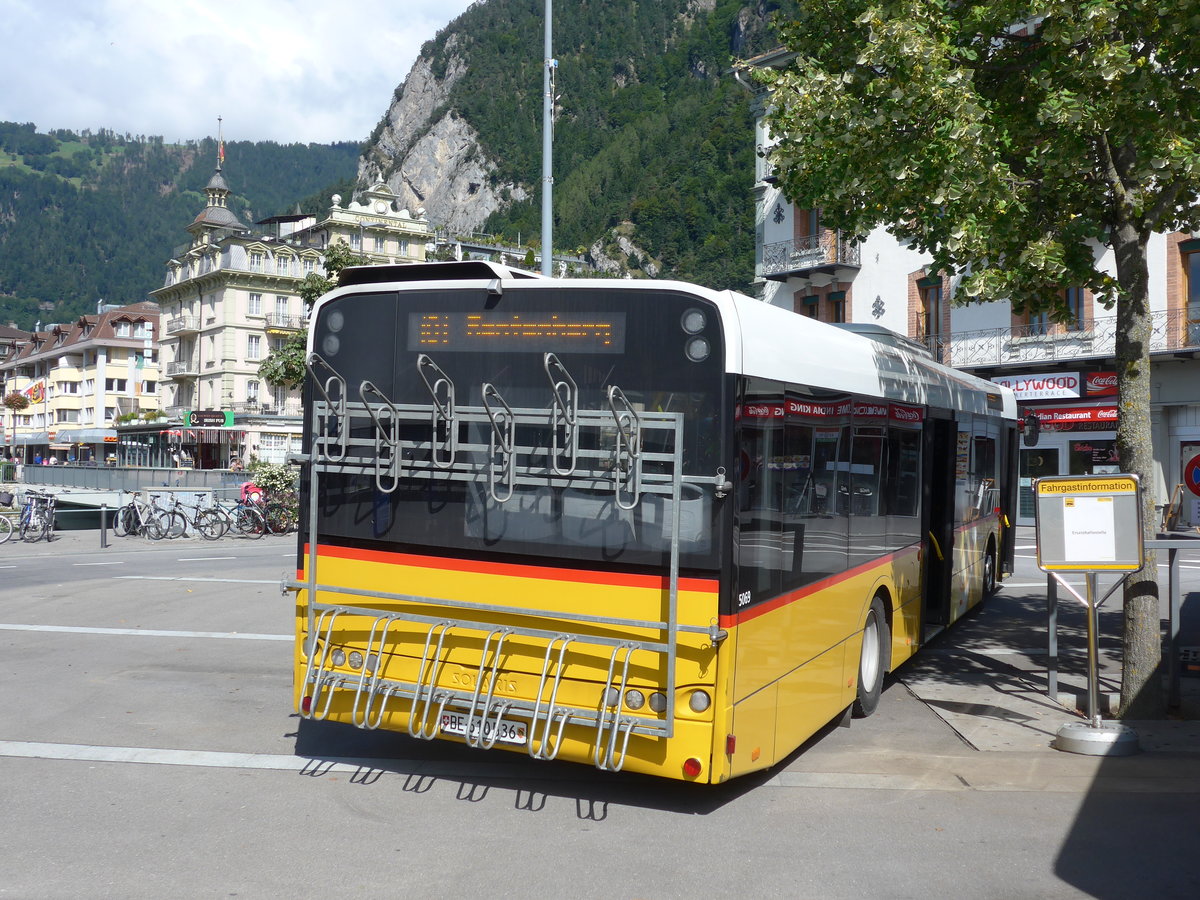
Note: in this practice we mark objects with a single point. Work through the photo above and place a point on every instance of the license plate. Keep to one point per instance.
(503, 731)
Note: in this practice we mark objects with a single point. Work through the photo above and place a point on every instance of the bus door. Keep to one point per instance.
(938, 461)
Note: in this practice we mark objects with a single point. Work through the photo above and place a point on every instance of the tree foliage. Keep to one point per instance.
(1011, 141)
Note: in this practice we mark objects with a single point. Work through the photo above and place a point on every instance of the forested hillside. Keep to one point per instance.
(93, 216)
(651, 127)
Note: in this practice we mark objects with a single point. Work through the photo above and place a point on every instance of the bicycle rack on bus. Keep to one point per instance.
(616, 464)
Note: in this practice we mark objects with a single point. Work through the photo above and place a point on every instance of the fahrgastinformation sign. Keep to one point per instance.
(1089, 523)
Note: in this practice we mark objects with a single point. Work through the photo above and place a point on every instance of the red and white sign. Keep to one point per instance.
(1101, 384)
(1072, 415)
(1052, 386)
(1191, 475)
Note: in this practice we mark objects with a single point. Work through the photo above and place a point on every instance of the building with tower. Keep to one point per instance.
(230, 295)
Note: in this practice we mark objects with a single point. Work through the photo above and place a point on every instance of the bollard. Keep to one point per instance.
(103, 526)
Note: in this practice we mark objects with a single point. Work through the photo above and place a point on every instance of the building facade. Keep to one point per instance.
(82, 380)
(1063, 373)
(231, 295)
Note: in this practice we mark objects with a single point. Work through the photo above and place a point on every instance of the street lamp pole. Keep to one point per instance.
(547, 140)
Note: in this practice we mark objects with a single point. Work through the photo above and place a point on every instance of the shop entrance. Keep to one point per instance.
(1034, 462)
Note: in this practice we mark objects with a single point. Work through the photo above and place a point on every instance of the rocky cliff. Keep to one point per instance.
(430, 156)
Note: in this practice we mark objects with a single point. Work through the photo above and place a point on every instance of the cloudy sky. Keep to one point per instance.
(280, 70)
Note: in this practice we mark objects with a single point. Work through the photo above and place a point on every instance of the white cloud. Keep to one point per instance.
(282, 70)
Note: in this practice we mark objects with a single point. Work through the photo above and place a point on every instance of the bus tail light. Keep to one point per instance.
(692, 767)
(730, 744)
(306, 705)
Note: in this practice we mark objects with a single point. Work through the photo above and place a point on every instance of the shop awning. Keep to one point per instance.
(23, 440)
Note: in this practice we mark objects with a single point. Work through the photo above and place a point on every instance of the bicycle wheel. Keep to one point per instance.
(277, 518)
(6, 529)
(125, 521)
(172, 523)
(151, 528)
(249, 522)
(210, 524)
(32, 527)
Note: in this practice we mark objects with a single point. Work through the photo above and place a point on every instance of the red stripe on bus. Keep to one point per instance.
(544, 573)
(783, 600)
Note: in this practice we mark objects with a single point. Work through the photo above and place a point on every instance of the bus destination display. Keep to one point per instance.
(557, 332)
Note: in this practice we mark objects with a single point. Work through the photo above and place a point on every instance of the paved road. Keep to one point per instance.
(147, 749)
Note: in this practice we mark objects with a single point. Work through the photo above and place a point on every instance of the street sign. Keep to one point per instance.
(207, 418)
(1191, 475)
(1089, 523)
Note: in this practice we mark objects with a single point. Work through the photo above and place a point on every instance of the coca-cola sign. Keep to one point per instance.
(1050, 386)
(1101, 384)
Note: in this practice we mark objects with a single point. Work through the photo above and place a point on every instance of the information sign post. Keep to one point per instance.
(1090, 524)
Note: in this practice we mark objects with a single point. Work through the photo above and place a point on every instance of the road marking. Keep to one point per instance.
(7, 567)
(194, 578)
(202, 558)
(151, 632)
(119, 562)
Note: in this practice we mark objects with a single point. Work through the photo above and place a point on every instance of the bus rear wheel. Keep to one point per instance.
(989, 571)
(872, 663)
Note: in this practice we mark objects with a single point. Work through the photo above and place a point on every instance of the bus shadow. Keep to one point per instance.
(475, 775)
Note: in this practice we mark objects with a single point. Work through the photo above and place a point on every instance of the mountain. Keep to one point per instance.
(653, 138)
(92, 216)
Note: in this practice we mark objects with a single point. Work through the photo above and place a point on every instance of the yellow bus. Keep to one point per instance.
(640, 525)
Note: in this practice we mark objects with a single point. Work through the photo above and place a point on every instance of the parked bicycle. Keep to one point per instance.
(37, 517)
(6, 522)
(137, 517)
(243, 518)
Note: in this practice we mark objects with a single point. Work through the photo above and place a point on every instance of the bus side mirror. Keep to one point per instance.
(1033, 428)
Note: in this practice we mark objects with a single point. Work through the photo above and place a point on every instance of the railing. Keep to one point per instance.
(1169, 331)
(181, 324)
(128, 478)
(826, 249)
(267, 408)
(285, 322)
(182, 367)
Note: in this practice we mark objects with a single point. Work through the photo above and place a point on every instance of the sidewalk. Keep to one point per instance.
(986, 677)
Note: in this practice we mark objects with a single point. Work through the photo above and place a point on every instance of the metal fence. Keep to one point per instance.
(114, 478)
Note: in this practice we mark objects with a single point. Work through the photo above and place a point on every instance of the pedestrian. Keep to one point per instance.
(235, 466)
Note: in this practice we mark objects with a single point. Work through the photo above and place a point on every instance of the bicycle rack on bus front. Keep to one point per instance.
(621, 468)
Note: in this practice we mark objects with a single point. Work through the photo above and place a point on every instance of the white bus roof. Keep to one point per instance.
(761, 340)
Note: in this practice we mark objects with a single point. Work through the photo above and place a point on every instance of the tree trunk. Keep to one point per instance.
(1141, 684)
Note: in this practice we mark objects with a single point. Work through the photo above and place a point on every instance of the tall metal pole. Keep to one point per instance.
(547, 141)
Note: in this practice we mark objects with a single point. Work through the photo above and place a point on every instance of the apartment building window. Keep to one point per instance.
(837, 306)
(253, 346)
(309, 265)
(1076, 299)
(255, 305)
(356, 241)
(123, 329)
(281, 306)
(279, 396)
(404, 246)
(283, 265)
(115, 385)
(1035, 324)
(380, 243)
(65, 416)
(932, 309)
(251, 391)
(1191, 269)
(810, 306)
(256, 261)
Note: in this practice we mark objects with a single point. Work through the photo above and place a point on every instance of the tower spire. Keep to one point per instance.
(220, 145)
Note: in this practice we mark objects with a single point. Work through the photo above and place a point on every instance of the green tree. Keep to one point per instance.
(285, 365)
(1010, 140)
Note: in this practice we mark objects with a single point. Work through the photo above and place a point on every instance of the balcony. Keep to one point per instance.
(284, 323)
(827, 251)
(183, 368)
(183, 325)
(1170, 332)
(291, 407)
